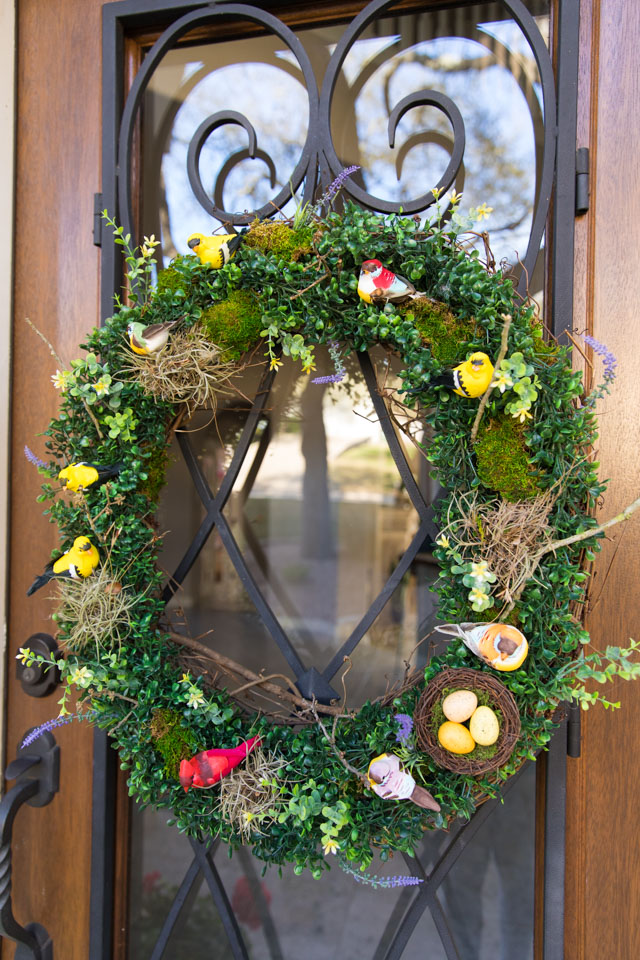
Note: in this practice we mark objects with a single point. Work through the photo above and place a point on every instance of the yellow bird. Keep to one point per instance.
(216, 251)
(470, 378)
(78, 563)
(79, 477)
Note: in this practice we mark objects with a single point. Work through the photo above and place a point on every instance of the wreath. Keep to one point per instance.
(510, 437)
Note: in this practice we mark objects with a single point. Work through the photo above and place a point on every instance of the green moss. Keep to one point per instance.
(234, 324)
(501, 456)
(156, 470)
(171, 279)
(274, 236)
(545, 350)
(172, 741)
(441, 331)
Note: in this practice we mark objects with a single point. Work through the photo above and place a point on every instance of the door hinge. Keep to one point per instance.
(582, 180)
(97, 219)
(574, 731)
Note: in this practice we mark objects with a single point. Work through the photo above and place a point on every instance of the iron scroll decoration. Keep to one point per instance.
(319, 163)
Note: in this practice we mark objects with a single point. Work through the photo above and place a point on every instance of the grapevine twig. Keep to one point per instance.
(485, 396)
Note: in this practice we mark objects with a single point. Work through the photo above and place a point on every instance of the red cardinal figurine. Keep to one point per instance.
(208, 767)
(379, 285)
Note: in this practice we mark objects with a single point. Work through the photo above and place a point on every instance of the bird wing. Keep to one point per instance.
(155, 328)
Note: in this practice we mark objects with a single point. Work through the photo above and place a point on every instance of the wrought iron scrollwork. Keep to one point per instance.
(319, 162)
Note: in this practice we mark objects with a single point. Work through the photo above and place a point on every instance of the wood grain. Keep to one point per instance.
(56, 285)
(603, 853)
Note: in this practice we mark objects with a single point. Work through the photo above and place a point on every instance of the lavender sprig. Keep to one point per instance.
(336, 185)
(32, 458)
(341, 370)
(44, 727)
(405, 727)
(610, 362)
(375, 881)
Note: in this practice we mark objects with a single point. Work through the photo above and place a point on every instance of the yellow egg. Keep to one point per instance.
(459, 705)
(484, 726)
(455, 738)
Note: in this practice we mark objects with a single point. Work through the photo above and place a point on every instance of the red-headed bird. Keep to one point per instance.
(379, 285)
(206, 768)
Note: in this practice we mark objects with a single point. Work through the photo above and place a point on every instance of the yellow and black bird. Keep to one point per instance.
(78, 563)
(216, 250)
(79, 477)
(470, 378)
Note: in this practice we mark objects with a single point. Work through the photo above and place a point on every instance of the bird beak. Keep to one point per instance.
(194, 242)
(186, 775)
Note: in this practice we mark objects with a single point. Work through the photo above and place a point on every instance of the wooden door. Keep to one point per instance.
(57, 286)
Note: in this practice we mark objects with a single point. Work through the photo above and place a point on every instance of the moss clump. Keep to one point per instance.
(501, 456)
(156, 471)
(275, 237)
(170, 280)
(441, 331)
(545, 350)
(234, 324)
(173, 742)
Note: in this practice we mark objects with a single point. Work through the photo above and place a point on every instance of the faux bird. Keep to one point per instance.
(205, 769)
(470, 378)
(216, 250)
(78, 563)
(388, 779)
(500, 645)
(145, 340)
(79, 477)
(379, 285)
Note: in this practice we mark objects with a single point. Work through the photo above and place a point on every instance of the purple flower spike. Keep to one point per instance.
(47, 725)
(608, 359)
(405, 727)
(31, 457)
(330, 378)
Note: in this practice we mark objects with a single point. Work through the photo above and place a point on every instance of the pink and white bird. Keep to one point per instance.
(379, 285)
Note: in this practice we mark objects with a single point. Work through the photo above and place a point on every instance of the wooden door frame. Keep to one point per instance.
(57, 171)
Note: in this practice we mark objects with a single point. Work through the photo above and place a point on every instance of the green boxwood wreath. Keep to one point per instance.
(130, 679)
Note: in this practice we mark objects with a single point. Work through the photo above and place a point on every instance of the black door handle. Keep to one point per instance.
(36, 771)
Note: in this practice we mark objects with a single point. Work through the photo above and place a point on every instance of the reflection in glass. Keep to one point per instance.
(321, 517)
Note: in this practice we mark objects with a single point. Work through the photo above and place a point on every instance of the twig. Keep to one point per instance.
(485, 396)
(234, 667)
(567, 541)
(339, 754)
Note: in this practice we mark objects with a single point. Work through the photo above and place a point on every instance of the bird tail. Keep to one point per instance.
(108, 473)
(39, 582)
(235, 243)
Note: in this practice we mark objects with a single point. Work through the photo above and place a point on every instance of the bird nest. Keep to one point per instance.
(507, 536)
(94, 613)
(189, 370)
(499, 699)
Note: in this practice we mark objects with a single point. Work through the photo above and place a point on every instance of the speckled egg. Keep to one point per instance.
(459, 705)
(484, 726)
(455, 738)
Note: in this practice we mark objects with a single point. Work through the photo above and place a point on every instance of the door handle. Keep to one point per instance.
(36, 771)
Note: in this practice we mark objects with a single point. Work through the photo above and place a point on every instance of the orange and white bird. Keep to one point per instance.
(379, 285)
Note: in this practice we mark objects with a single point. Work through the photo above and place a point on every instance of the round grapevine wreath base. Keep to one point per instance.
(305, 791)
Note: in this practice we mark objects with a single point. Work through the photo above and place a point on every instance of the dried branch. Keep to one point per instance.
(485, 396)
(231, 665)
